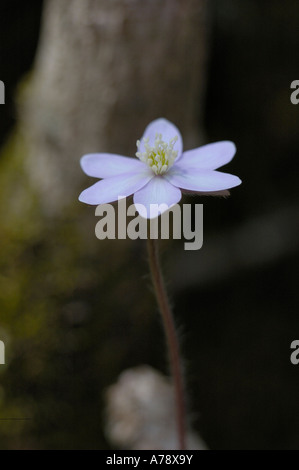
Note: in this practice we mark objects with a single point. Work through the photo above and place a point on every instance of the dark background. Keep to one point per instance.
(237, 321)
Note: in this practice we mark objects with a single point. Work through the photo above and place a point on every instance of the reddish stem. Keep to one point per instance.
(172, 341)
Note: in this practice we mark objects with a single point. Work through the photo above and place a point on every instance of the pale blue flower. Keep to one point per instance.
(161, 170)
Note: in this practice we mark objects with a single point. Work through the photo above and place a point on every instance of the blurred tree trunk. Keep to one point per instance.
(104, 69)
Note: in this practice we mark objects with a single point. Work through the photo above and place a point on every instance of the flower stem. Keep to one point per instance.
(172, 341)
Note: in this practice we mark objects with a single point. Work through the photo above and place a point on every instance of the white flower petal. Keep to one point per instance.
(110, 189)
(105, 165)
(158, 191)
(201, 180)
(208, 157)
(168, 131)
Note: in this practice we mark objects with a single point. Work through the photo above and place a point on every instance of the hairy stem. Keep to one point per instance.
(172, 341)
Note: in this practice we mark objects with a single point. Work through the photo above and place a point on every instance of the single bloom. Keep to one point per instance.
(160, 172)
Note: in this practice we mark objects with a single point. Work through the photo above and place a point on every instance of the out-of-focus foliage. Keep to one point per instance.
(63, 342)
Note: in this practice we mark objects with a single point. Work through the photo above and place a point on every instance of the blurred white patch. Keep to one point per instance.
(140, 412)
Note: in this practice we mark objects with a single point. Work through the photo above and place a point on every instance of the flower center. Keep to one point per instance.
(160, 157)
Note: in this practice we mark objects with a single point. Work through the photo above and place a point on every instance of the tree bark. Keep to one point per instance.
(103, 71)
